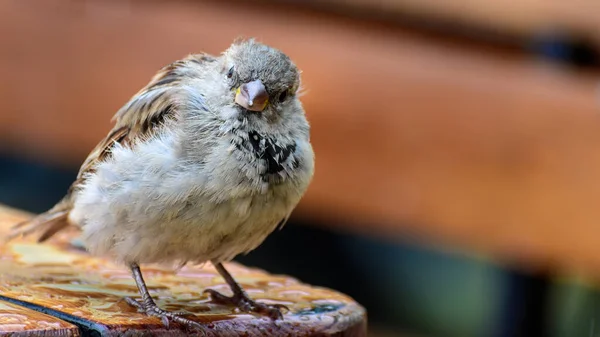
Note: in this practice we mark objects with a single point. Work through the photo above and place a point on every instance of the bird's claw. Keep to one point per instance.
(246, 304)
(151, 309)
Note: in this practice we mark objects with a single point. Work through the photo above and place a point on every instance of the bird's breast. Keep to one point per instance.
(273, 156)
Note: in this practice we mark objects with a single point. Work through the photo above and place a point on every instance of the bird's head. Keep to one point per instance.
(260, 81)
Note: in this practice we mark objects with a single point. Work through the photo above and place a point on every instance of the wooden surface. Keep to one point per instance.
(68, 284)
(524, 18)
(485, 151)
(18, 321)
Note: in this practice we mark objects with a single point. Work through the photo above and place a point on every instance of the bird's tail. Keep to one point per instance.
(49, 223)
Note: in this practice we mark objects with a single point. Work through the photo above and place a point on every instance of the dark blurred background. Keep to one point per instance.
(458, 143)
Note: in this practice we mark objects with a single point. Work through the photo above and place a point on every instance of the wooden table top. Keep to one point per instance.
(61, 290)
(16, 320)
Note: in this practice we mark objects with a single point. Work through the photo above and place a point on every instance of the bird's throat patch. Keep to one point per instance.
(267, 149)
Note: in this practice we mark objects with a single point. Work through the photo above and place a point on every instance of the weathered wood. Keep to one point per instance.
(70, 284)
(17, 321)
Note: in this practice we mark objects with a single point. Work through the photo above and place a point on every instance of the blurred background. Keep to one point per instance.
(457, 180)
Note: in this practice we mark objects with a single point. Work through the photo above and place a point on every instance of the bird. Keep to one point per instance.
(201, 165)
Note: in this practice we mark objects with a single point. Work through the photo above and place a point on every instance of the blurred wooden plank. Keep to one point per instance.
(70, 284)
(16, 321)
(489, 152)
(525, 18)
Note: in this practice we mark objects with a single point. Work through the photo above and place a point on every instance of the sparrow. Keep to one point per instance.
(202, 164)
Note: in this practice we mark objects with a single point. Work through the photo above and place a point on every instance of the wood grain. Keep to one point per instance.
(17, 321)
(66, 282)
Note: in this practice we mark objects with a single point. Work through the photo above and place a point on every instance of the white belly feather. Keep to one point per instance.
(146, 207)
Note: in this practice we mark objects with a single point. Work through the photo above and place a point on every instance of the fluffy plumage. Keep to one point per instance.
(186, 174)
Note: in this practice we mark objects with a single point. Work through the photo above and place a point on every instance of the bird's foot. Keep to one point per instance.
(151, 309)
(246, 304)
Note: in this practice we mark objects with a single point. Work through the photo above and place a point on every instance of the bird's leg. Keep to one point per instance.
(148, 305)
(240, 298)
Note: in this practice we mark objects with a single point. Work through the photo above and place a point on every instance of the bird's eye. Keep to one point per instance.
(230, 72)
(283, 96)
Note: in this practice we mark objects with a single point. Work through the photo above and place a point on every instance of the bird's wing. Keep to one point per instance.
(145, 111)
(138, 119)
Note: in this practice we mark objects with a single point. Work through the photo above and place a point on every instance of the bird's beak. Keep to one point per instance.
(252, 96)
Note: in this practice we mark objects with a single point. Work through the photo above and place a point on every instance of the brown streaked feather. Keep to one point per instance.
(138, 119)
(283, 222)
(53, 221)
(146, 110)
